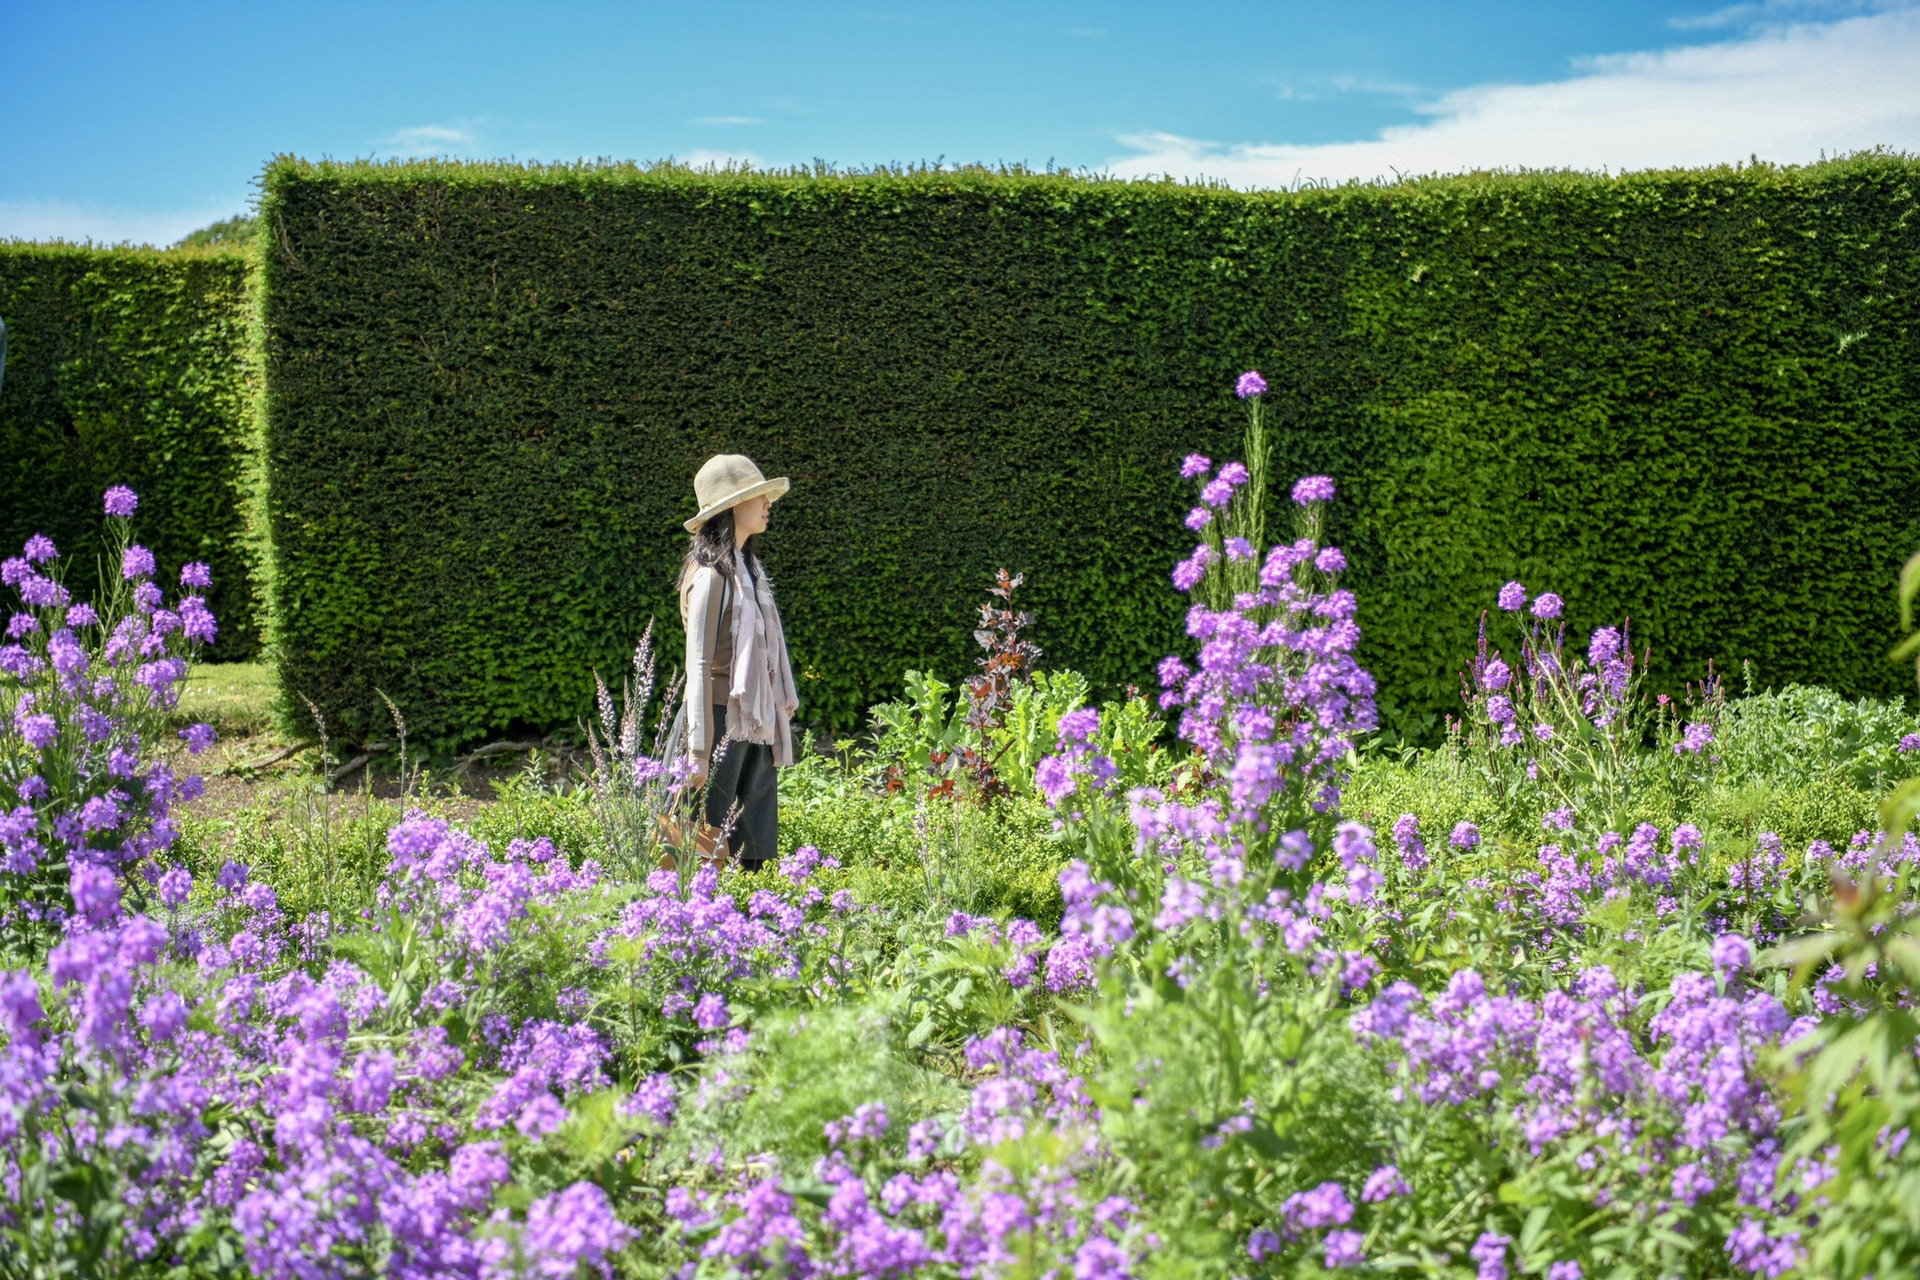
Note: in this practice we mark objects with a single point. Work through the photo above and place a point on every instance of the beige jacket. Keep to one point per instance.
(758, 693)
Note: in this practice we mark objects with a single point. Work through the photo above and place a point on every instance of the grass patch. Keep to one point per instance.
(237, 698)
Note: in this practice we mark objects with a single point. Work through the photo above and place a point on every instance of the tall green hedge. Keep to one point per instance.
(1687, 397)
(130, 366)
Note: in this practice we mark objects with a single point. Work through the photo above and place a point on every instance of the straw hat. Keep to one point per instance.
(727, 480)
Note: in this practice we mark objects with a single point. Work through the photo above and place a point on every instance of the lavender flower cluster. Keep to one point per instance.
(86, 689)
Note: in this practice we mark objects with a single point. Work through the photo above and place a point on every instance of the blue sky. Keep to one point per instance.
(142, 121)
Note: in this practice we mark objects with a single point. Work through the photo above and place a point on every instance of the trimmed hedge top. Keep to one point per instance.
(130, 366)
(1686, 397)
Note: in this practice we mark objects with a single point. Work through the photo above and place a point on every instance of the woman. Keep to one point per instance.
(740, 687)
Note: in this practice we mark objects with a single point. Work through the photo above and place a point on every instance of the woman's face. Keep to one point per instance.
(750, 517)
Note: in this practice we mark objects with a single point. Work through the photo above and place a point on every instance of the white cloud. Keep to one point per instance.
(728, 120)
(1782, 93)
(106, 224)
(429, 140)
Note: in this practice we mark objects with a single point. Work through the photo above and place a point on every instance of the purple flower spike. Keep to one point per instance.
(1196, 464)
(40, 548)
(121, 501)
(1313, 489)
(196, 574)
(136, 563)
(1547, 606)
(1250, 384)
(1512, 597)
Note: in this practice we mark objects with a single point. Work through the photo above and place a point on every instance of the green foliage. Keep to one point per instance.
(937, 854)
(1684, 397)
(130, 366)
(237, 232)
(807, 1069)
(1805, 732)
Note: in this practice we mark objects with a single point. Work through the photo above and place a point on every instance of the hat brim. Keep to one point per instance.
(774, 488)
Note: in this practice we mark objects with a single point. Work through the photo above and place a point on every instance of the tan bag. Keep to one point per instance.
(684, 831)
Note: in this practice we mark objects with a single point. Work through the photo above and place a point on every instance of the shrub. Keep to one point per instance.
(130, 367)
(1680, 397)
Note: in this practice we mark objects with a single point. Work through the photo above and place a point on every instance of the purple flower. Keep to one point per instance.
(1188, 573)
(1694, 739)
(198, 737)
(1565, 1271)
(711, 1012)
(20, 1007)
(39, 549)
(1079, 725)
(1331, 560)
(1196, 464)
(1547, 606)
(82, 615)
(22, 624)
(1217, 492)
(564, 1231)
(195, 574)
(1199, 518)
(1512, 597)
(1238, 549)
(1910, 743)
(1465, 835)
(163, 1015)
(1490, 1251)
(137, 562)
(1383, 1184)
(121, 501)
(1313, 489)
(1343, 1250)
(1495, 676)
(1604, 647)
(96, 895)
(39, 730)
(1731, 953)
(1055, 777)
(1250, 384)
(1751, 1249)
(174, 886)
(1235, 474)
(1406, 835)
(1324, 1206)
(1544, 732)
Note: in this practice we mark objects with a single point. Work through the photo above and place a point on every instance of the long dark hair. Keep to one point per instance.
(712, 547)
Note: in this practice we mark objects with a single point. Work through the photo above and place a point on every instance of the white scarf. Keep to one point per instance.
(762, 698)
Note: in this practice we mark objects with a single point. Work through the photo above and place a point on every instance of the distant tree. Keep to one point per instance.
(227, 233)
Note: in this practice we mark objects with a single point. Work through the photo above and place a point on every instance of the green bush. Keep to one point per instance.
(130, 366)
(1684, 397)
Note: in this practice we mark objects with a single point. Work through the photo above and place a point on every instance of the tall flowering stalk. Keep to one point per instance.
(1200, 910)
(87, 689)
(1576, 725)
(636, 790)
